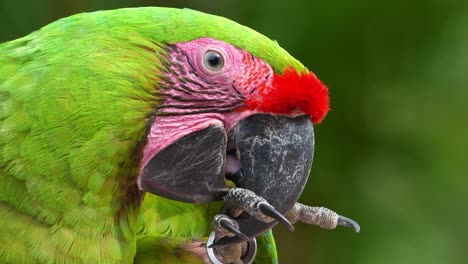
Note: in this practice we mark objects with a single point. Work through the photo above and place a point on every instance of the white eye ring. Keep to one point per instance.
(213, 61)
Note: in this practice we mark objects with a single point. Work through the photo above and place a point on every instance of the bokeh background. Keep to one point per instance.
(393, 152)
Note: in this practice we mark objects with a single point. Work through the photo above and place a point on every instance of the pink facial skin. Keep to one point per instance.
(195, 97)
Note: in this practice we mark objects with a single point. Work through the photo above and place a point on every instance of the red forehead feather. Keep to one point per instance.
(292, 91)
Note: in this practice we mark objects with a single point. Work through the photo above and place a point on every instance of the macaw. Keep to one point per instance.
(137, 135)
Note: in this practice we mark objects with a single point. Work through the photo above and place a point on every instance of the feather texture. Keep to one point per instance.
(75, 101)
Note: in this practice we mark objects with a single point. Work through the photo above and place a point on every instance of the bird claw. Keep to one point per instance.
(348, 222)
(321, 216)
(236, 202)
(239, 200)
(242, 253)
(267, 209)
(223, 225)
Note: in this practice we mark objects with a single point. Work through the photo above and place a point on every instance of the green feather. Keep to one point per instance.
(266, 249)
(75, 101)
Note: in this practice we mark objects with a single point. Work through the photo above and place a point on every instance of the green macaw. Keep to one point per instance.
(122, 131)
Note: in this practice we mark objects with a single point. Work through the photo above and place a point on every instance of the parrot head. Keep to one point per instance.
(226, 115)
(191, 104)
(99, 108)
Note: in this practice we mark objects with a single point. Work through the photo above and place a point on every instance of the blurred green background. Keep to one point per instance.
(393, 152)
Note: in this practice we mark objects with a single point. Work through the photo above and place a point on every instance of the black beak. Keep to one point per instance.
(191, 169)
(275, 154)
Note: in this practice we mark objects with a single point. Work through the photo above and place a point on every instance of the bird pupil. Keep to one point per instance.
(214, 59)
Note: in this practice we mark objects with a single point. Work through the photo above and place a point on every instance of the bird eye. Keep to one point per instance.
(213, 61)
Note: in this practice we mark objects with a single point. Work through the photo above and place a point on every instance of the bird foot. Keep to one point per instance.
(239, 200)
(242, 253)
(321, 216)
